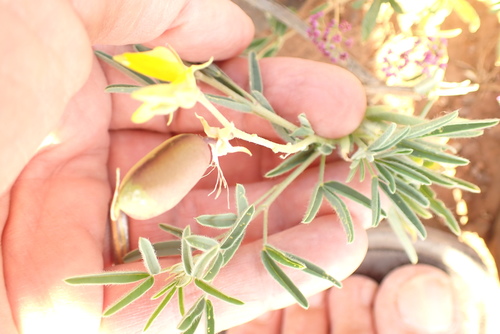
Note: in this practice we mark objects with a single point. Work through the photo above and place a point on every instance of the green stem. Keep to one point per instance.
(322, 165)
(209, 80)
(265, 226)
(285, 183)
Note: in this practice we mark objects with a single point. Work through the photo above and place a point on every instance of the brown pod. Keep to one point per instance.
(160, 180)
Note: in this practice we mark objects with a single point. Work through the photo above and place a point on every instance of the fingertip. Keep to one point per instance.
(218, 29)
(416, 299)
(332, 97)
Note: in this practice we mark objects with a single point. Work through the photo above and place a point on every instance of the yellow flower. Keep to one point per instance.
(164, 64)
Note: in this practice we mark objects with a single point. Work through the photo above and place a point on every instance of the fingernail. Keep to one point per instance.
(426, 302)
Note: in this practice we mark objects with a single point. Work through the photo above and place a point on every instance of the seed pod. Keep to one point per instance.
(160, 180)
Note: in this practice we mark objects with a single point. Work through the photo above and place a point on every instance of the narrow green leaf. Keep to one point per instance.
(165, 289)
(383, 138)
(382, 114)
(214, 270)
(175, 231)
(278, 27)
(239, 228)
(163, 248)
(159, 308)
(215, 72)
(437, 178)
(314, 204)
(353, 168)
(305, 128)
(180, 300)
(393, 153)
(419, 210)
(362, 170)
(406, 210)
(281, 131)
(229, 103)
(370, 19)
(254, 73)
(136, 293)
(375, 202)
(222, 220)
(186, 252)
(114, 277)
(257, 44)
(463, 127)
(228, 253)
(313, 269)
(405, 170)
(149, 256)
(140, 48)
(290, 163)
(205, 261)
(462, 184)
(411, 191)
(424, 152)
(201, 242)
(216, 293)
(348, 192)
(210, 317)
(122, 88)
(440, 209)
(280, 277)
(302, 132)
(192, 314)
(342, 212)
(387, 176)
(393, 140)
(132, 74)
(194, 326)
(397, 8)
(281, 257)
(422, 129)
(398, 222)
(241, 200)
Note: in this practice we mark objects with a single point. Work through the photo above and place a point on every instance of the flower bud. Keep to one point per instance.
(160, 180)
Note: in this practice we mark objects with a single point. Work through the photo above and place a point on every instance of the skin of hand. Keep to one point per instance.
(54, 201)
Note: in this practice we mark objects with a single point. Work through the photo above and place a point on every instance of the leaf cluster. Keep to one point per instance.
(201, 259)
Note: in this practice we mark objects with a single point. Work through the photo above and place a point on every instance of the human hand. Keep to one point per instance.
(416, 299)
(55, 214)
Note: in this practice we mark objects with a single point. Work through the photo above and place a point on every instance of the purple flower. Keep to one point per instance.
(345, 26)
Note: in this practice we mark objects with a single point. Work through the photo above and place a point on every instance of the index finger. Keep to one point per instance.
(332, 98)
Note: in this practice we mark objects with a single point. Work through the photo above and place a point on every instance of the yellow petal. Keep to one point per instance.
(155, 94)
(147, 111)
(161, 63)
(142, 114)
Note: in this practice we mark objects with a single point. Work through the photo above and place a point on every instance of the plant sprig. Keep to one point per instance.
(403, 156)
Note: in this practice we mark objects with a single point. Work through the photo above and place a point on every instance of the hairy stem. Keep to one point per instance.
(286, 182)
(288, 148)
